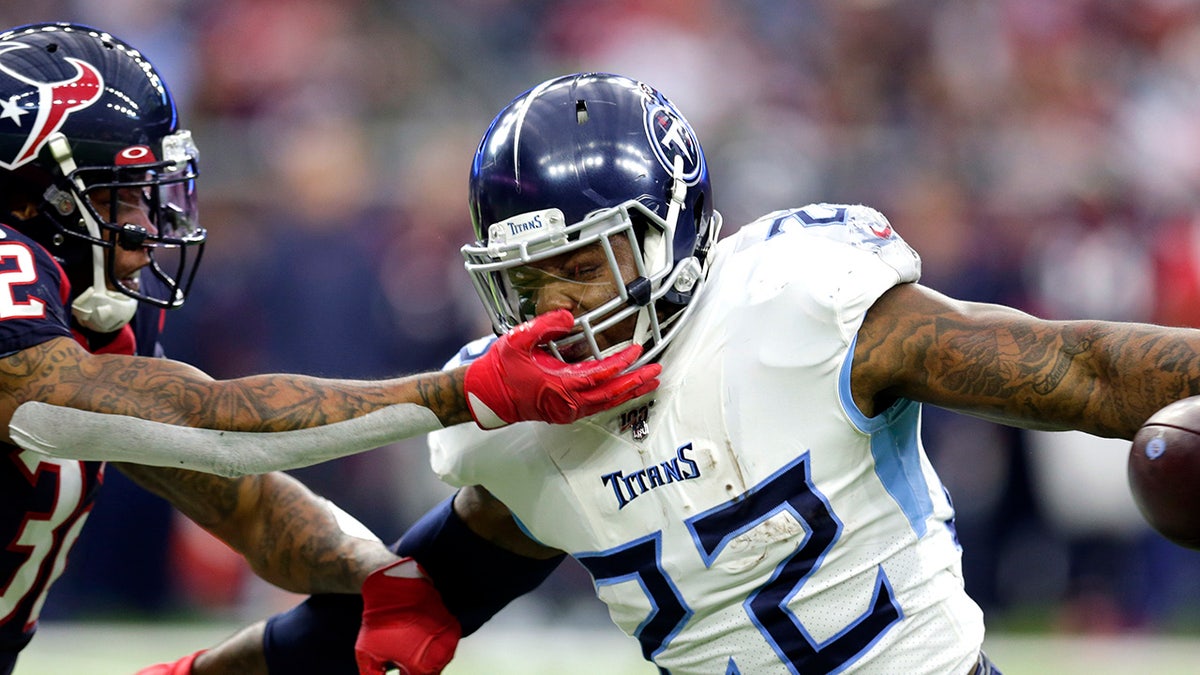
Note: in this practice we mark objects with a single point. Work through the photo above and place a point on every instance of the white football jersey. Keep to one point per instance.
(747, 517)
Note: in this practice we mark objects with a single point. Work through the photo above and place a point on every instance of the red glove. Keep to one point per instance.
(516, 380)
(181, 667)
(404, 623)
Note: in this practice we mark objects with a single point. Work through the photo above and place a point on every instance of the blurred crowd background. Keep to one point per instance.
(1040, 154)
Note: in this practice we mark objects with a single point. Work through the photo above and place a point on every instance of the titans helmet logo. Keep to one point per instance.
(671, 136)
(41, 108)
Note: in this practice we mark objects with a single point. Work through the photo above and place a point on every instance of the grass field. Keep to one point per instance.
(122, 648)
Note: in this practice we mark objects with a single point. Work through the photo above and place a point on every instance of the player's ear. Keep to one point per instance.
(14, 202)
(23, 210)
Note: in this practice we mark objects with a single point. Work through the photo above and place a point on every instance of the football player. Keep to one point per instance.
(770, 508)
(99, 237)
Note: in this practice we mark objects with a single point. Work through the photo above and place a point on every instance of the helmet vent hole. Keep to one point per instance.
(52, 47)
(581, 113)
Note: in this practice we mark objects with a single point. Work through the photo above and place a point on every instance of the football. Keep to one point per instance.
(1164, 471)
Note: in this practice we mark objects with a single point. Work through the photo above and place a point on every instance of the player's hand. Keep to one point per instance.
(405, 626)
(181, 667)
(517, 380)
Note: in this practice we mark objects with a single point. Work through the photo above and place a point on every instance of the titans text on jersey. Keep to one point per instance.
(628, 487)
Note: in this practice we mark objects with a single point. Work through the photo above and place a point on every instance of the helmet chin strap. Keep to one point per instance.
(102, 310)
(658, 250)
(97, 308)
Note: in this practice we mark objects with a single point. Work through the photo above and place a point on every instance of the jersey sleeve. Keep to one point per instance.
(457, 454)
(464, 454)
(33, 294)
(833, 260)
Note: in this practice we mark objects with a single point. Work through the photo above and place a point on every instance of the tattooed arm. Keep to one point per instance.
(290, 536)
(995, 362)
(61, 372)
(69, 399)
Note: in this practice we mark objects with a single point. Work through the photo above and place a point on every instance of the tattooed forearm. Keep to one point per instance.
(206, 499)
(1105, 378)
(1012, 369)
(445, 394)
(60, 372)
(1046, 380)
(286, 533)
(1000, 358)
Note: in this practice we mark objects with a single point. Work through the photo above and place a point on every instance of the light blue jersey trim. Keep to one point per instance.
(525, 530)
(895, 448)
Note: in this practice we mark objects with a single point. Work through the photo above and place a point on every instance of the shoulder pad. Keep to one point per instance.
(856, 225)
(470, 351)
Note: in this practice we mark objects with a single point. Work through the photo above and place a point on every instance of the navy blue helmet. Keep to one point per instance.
(85, 119)
(577, 160)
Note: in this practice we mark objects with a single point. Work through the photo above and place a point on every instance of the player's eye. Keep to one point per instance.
(525, 283)
(584, 271)
(526, 278)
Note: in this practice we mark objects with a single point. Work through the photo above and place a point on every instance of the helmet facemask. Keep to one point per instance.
(86, 202)
(498, 268)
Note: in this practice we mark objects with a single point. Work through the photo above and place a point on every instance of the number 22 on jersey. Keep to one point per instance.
(790, 490)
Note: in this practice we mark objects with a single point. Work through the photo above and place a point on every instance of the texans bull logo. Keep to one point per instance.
(50, 102)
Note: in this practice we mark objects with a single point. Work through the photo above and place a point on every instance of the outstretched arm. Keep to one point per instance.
(1104, 378)
(68, 403)
(62, 373)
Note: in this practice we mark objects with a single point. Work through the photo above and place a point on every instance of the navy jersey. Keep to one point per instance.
(44, 502)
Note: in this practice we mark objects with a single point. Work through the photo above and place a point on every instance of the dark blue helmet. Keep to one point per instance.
(85, 119)
(574, 161)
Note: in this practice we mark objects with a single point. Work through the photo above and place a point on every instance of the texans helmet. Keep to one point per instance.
(578, 160)
(83, 114)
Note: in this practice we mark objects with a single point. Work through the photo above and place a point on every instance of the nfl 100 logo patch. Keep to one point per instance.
(636, 421)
